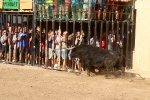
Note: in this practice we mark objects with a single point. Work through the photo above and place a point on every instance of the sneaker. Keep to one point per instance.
(6, 62)
(62, 69)
(13, 60)
(69, 70)
(55, 66)
(76, 70)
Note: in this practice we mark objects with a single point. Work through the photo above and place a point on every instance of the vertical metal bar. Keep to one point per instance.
(101, 32)
(81, 26)
(0, 23)
(27, 42)
(107, 28)
(112, 11)
(10, 50)
(89, 31)
(132, 41)
(73, 41)
(59, 62)
(112, 30)
(20, 53)
(46, 44)
(66, 60)
(117, 49)
(122, 34)
(53, 41)
(95, 32)
(6, 35)
(33, 39)
(33, 35)
(132, 30)
(17, 38)
(0, 28)
(89, 21)
(127, 43)
(39, 58)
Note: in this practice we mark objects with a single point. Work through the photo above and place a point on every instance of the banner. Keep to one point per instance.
(10, 4)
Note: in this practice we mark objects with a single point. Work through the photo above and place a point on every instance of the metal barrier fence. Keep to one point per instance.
(42, 24)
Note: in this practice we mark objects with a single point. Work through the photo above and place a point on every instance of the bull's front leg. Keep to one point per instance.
(108, 67)
(88, 65)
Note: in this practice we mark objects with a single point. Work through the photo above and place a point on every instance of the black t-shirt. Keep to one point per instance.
(50, 44)
(37, 38)
(29, 36)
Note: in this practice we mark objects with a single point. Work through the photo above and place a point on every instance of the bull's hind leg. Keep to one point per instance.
(109, 67)
(123, 72)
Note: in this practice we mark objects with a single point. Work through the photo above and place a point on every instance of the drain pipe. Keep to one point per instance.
(139, 42)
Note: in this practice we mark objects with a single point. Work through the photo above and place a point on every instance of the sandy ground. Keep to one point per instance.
(34, 83)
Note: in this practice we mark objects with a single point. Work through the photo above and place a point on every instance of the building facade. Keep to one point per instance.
(141, 53)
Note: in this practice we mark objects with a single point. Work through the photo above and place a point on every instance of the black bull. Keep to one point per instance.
(93, 57)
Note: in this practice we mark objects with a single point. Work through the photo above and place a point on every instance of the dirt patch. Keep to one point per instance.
(34, 83)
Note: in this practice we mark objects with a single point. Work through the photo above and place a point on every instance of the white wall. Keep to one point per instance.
(141, 55)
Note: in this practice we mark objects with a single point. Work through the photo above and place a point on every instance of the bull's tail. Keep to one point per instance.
(141, 76)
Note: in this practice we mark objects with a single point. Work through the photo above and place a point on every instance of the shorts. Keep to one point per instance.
(22, 49)
(43, 48)
(93, 7)
(51, 7)
(3, 49)
(74, 7)
(50, 53)
(63, 54)
(37, 50)
(30, 50)
(85, 6)
(69, 53)
(77, 59)
(57, 51)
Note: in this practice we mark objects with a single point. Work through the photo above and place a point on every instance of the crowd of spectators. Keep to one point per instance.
(16, 41)
(79, 9)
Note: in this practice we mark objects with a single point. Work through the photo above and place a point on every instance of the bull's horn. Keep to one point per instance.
(70, 48)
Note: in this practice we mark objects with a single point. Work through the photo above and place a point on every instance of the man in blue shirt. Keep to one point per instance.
(3, 42)
(22, 37)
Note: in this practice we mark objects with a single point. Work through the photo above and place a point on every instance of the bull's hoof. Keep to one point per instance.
(88, 74)
(92, 74)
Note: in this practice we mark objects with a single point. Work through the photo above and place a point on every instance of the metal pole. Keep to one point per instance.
(89, 21)
(27, 40)
(59, 62)
(73, 42)
(101, 32)
(113, 12)
(66, 60)
(39, 58)
(127, 44)
(17, 38)
(33, 35)
(81, 26)
(7, 36)
(107, 28)
(117, 35)
(122, 37)
(46, 44)
(95, 32)
(132, 30)
(53, 41)
(10, 50)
